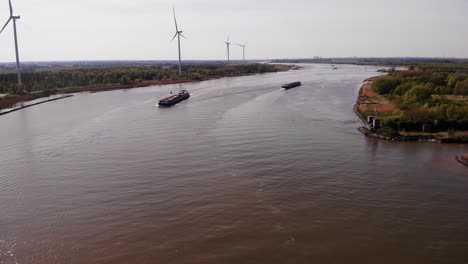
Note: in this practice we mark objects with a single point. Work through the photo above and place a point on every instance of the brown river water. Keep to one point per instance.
(242, 172)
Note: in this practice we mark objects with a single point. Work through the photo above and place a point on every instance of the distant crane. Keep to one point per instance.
(178, 34)
(14, 18)
(243, 50)
(227, 45)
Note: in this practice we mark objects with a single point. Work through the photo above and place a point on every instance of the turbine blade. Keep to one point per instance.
(6, 24)
(174, 36)
(175, 19)
(11, 8)
(183, 36)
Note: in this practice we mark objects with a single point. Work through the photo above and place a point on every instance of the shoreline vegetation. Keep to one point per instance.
(40, 84)
(426, 104)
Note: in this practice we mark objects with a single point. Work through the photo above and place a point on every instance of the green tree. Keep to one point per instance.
(419, 93)
(454, 78)
(402, 89)
(124, 80)
(461, 88)
(385, 85)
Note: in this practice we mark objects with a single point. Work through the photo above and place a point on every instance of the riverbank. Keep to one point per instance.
(463, 159)
(369, 100)
(111, 87)
(13, 100)
(30, 105)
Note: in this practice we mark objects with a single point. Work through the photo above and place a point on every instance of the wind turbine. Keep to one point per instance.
(243, 49)
(14, 18)
(227, 45)
(178, 34)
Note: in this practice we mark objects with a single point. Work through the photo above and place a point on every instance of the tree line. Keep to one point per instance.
(428, 100)
(53, 80)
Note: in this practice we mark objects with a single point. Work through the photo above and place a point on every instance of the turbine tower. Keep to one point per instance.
(243, 50)
(227, 45)
(14, 18)
(178, 34)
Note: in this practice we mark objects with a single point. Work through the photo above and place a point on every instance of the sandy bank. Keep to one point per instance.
(463, 159)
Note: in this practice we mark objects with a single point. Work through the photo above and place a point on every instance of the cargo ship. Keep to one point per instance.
(174, 99)
(291, 85)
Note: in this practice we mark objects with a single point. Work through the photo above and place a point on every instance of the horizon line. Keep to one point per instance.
(238, 60)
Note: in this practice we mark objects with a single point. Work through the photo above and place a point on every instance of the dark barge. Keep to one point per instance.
(174, 99)
(291, 85)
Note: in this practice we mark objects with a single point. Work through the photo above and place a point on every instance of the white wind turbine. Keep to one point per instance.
(243, 49)
(227, 45)
(14, 18)
(178, 34)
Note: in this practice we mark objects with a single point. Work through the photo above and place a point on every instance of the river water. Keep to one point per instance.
(242, 172)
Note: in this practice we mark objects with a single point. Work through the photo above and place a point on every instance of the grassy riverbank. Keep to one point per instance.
(421, 104)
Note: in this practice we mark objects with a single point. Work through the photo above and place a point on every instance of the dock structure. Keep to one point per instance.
(376, 124)
(373, 123)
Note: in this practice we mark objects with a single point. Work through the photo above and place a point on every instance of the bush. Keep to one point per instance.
(456, 77)
(385, 85)
(124, 80)
(402, 89)
(419, 93)
(387, 132)
(461, 88)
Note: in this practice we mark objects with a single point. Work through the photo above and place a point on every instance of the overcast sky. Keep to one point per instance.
(142, 29)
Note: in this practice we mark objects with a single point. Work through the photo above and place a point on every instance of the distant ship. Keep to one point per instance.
(291, 85)
(174, 99)
(334, 67)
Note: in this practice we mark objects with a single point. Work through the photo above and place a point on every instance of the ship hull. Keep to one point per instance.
(292, 85)
(175, 99)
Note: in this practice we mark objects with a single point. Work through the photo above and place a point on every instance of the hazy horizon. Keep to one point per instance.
(109, 30)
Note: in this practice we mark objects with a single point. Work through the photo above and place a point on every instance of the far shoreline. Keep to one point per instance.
(16, 101)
